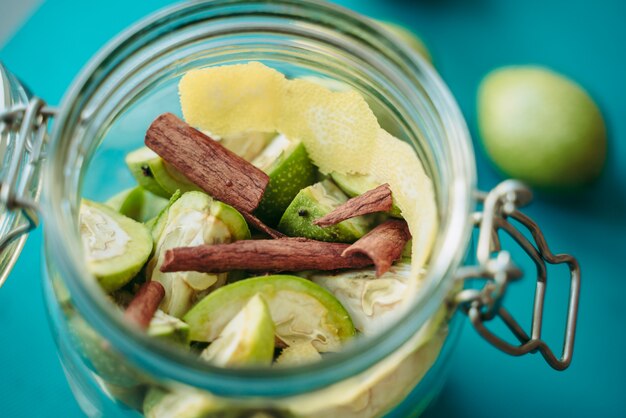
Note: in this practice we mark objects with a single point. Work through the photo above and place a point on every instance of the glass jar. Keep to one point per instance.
(105, 114)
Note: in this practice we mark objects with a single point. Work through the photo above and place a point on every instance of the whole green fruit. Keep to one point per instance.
(541, 127)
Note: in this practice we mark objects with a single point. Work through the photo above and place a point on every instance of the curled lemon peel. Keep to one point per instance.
(232, 99)
(338, 128)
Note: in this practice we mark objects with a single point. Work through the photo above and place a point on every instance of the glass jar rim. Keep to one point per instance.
(254, 382)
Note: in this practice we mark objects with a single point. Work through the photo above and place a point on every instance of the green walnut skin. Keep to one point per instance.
(233, 297)
(137, 203)
(107, 363)
(114, 272)
(541, 128)
(355, 185)
(314, 202)
(156, 176)
(292, 172)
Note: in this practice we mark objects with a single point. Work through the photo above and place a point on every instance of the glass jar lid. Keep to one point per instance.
(23, 131)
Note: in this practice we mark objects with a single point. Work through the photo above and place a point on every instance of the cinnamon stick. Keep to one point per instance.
(283, 254)
(375, 200)
(216, 170)
(261, 227)
(145, 303)
(383, 244)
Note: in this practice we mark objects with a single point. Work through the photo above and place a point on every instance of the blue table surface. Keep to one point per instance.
(584, 40)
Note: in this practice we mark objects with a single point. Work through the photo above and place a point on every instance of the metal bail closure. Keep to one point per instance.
(497, 269)
(23, 135)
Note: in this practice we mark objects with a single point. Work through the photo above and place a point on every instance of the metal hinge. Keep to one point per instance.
(498, 270)
(29, 127)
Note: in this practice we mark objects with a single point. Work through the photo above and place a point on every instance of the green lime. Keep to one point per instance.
(540, 127)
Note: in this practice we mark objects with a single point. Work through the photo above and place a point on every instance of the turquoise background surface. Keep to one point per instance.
(584, 40)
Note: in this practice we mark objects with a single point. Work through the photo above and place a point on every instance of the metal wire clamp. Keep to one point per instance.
(498, 270)
(30, 124)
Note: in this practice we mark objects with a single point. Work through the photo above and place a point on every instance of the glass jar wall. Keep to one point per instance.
(105, 114)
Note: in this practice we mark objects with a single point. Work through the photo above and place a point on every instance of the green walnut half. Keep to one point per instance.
(314, 202)
(116, 247)
(302, 311)
(168, 328)
(374, 303)
(108, 364)
(193, 219)
(289, 168)
(159, 403)
(357, 184)
(155, 175)
(247, 340)
(137, 203)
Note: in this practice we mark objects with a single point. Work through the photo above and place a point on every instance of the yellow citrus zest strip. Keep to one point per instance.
(338, 129)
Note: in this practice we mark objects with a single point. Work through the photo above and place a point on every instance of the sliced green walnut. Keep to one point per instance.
(247, 340)
(152, 206)
(157, 223)
(302, 311)
(406, 252)
(62, 295)
(314, 202)
(373, 303)
(289, 168)
(138, 163)
(116, 247)
(382, 387)
(159, 403)
(168, 328)
(155, 175)
(107, 363)
(128, 202)
(247, 145)
(357, 184)
(136, 203)
(131, 397)
(193, 219)
(153, 398)
(297, 355)
(191, 403)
